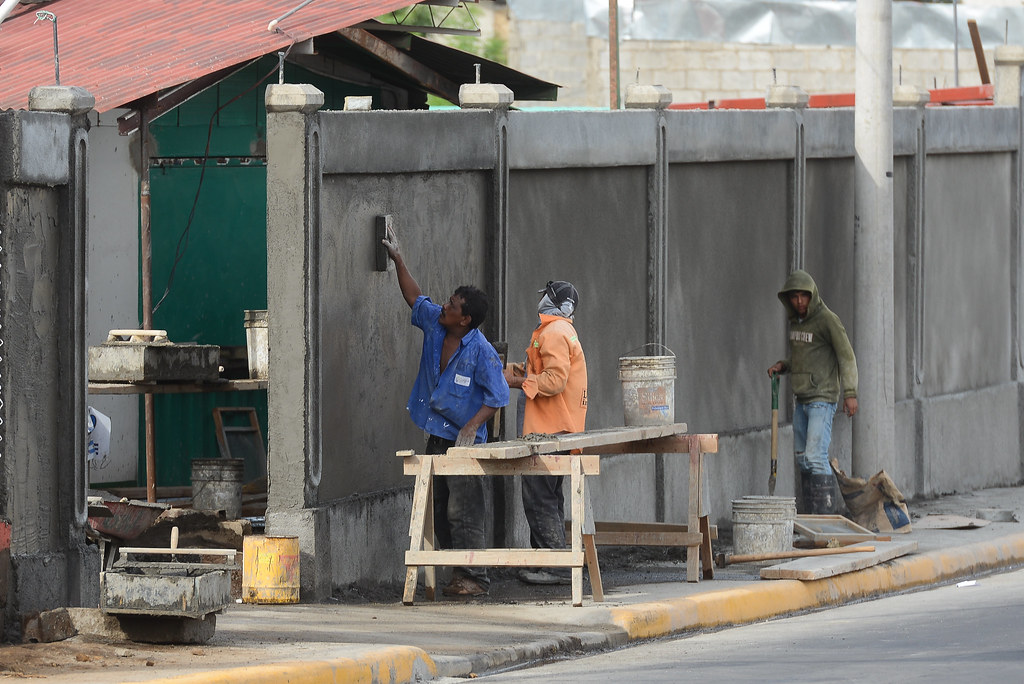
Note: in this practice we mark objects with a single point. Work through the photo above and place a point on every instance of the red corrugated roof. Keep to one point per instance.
(121, 51)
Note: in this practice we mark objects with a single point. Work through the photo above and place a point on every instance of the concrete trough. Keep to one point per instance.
(161, 593)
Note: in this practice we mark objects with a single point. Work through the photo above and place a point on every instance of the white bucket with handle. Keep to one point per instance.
(648, 387)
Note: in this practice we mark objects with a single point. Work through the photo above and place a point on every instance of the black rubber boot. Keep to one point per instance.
(820, 494)
(803, 503)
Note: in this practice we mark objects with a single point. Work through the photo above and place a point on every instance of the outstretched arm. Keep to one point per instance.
(410, 289)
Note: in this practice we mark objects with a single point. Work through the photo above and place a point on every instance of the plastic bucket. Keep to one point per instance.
(217, 485)
(648, 389)
(763, 524)
(270, 569)
(257, 344)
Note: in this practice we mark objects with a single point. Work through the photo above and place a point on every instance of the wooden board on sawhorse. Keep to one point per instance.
(654, 534)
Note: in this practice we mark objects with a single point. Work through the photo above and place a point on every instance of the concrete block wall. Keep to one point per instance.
(701, 71)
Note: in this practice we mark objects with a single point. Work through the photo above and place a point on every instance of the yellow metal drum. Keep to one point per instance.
(270, 569)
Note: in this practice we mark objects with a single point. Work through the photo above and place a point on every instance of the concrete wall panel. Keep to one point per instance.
(967, 272)
(958, 430)
(371, 351)
(828, 133)
(113, 278)
(971, 129)
(625, 490)
(551, 140)
(730, 135)
(404, 141)
(725, 330)
(587, 227)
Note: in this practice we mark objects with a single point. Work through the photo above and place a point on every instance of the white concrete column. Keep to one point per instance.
(1008, 60)
(873, 339)
(293, 299)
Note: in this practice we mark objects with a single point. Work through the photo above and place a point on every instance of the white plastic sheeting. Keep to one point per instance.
(779, 22)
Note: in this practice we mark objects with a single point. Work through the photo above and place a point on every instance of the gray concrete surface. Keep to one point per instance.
(678, 228)
(646, 597)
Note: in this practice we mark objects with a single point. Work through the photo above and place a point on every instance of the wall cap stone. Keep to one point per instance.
(293, 97)
(485, 96)
(64, 99)
(1009, 54)
(647, 96)
(786, 97)
(910, 96)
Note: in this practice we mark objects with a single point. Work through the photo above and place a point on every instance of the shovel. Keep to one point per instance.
(775, 434)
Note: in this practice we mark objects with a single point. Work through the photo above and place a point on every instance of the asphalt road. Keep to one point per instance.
(947, 634)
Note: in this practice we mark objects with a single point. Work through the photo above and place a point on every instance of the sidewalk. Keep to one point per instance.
(519, 624)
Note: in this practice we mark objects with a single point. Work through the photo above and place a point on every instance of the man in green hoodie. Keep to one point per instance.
(822, 366)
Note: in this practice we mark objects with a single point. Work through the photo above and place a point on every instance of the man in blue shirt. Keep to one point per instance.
(460, 385)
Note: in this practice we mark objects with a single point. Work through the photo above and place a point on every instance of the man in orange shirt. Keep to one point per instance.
(554, 382)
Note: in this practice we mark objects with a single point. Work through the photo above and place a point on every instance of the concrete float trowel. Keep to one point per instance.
(775, 434)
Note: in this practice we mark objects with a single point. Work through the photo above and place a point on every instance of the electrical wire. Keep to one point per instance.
(183, 240)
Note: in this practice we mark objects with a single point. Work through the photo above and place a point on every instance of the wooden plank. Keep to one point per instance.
(546, 444)
(590, 552)
(125, 550)
(639, 538)
(177, 387)
(577, 484)
(509, 558)
(706, 561)
(693, 513)
(538, 465)
(673, 444)
(820, 567)
(421, 503)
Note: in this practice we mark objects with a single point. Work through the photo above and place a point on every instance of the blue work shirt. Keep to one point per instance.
(441, 403)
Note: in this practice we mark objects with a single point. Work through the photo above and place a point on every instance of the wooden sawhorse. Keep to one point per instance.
(535, 455)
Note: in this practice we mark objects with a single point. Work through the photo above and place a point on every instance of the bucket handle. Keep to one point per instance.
(649, 344)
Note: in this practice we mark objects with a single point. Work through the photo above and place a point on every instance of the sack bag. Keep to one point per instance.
(876, 504)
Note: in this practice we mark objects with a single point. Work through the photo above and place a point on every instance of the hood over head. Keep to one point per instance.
(800, 280)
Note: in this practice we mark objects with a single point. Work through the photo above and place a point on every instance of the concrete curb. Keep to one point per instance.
(778, 597)
(510, 656)
(391, 665)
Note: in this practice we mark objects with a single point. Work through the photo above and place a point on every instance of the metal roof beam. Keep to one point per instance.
(384, 51)
(169, 99)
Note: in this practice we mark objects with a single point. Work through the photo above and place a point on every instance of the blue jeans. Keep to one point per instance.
(812, 433)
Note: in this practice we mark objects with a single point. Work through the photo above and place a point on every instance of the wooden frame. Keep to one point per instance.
(536, 456)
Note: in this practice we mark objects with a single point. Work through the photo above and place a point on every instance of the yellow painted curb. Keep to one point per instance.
(777, 597)
(392, 665)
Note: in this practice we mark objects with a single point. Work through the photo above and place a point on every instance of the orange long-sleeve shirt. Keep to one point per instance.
(556, 381)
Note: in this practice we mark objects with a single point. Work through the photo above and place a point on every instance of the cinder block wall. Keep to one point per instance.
(697, 71)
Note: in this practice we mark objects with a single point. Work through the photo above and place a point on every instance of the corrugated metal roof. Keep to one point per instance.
(122, 51)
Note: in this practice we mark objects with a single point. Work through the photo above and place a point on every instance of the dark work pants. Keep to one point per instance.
(460, 511)
(544, 503)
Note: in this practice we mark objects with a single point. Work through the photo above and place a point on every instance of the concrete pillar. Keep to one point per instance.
(497, 98)
(43, 352)
(1009, 61)
(293, 269)
(294, 173)
(917, 98)
(873, 340)
(794, 97)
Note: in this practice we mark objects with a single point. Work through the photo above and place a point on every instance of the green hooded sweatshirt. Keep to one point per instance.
(820, 354)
